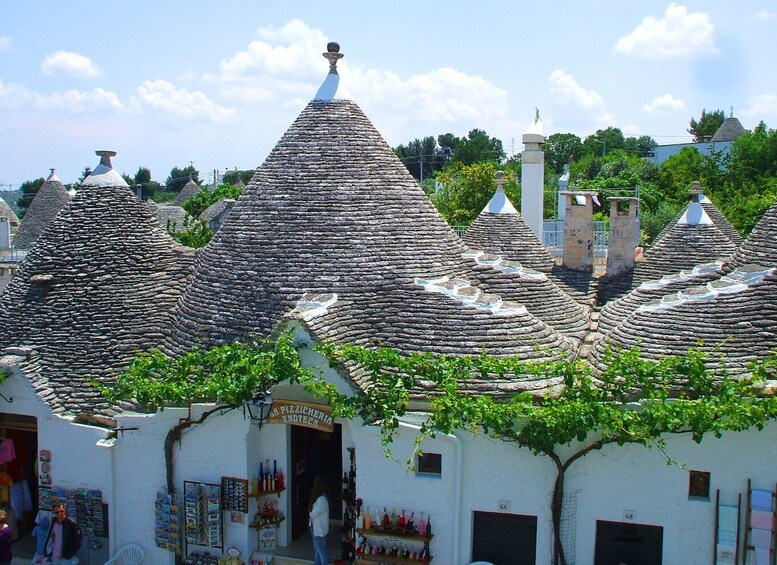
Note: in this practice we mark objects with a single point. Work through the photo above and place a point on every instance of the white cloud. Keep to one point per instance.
(163, 97)
(665, 103)
(292, 52)
(678, 34)
(79, 102)
(442, 95)
(68, 63)
(765, 15)
(575, 107)
(69, 102)
(762, 107)
(5, 43)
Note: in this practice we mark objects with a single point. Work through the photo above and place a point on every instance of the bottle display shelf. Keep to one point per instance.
(388, 559)
(262, 493)
(264, 521)
(396, 533)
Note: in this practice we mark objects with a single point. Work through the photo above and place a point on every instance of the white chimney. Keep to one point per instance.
(533, 176)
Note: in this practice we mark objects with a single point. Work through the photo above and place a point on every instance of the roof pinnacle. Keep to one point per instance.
(333, 55)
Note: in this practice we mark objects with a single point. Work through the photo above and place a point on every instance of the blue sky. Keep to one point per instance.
(165, 83)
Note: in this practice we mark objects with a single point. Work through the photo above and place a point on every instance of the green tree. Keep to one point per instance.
(642, 146)
(604, 141)
(708, 124)
(466, 189)
(179, 177)
(478, 146)
(422, 157)
(197, 204)
(560, 149)
(29, 189)
(148, 187)
(232, 177)
(195, 233)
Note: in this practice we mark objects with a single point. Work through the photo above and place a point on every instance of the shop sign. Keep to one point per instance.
(305, 414)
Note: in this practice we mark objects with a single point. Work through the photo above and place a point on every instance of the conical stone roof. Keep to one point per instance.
(734, 317)
(760, 247)
(334, 231)
(729, 130)
(714, 214)
(507, 240)
(7, 214)
(501, 230)
(99, 286)
(47, 203)
(190, 189)
(692, 240)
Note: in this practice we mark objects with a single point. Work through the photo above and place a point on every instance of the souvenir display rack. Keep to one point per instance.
(167, 522)
(394, 536)
(759, 525)
(235, 493)
(86, 507)
(202, 505)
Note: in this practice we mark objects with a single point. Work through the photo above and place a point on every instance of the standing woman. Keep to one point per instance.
(318, 508)
(5, 540)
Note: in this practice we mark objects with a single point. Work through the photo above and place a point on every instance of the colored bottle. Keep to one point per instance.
(345, 483)
(401, 520)
(280, 481)
(394, 518)
(261, 473)
(367, 519)
(409, 527)
(422, 526)
(429, 526)
(386, 519)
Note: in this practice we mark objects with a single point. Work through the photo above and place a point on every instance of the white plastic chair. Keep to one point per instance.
(131, 554)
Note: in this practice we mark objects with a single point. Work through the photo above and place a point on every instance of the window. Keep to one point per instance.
(429, 464)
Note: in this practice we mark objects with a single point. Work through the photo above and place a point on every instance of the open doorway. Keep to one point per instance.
(313, 452)
(18, 473)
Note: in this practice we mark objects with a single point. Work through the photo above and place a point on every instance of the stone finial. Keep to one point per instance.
(105, 157)
(500, 179)
(333, 55)
(696, 188)
(52, 171)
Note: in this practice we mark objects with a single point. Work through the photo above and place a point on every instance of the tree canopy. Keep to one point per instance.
(29, 189)
(179, 177)
(707, 125)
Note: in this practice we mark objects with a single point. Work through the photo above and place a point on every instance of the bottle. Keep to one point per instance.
(401, 520)
(386, 519)
(429, 526)
(367, 519)
(422, 526)
(409, 526)
(394, 518)
(345, 483)
(261, 476)
(279, 484)
(274, 468)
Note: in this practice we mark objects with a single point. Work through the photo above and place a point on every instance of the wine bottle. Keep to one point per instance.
(386, 519)
(422, 526)
(401, 520)
(345, 483)
(261, 475)
(409, 527)
(429, 526)
(280, 481)
(394, 518)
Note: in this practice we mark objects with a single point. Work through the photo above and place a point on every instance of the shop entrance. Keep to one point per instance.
(313, 452)
(18, 474)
